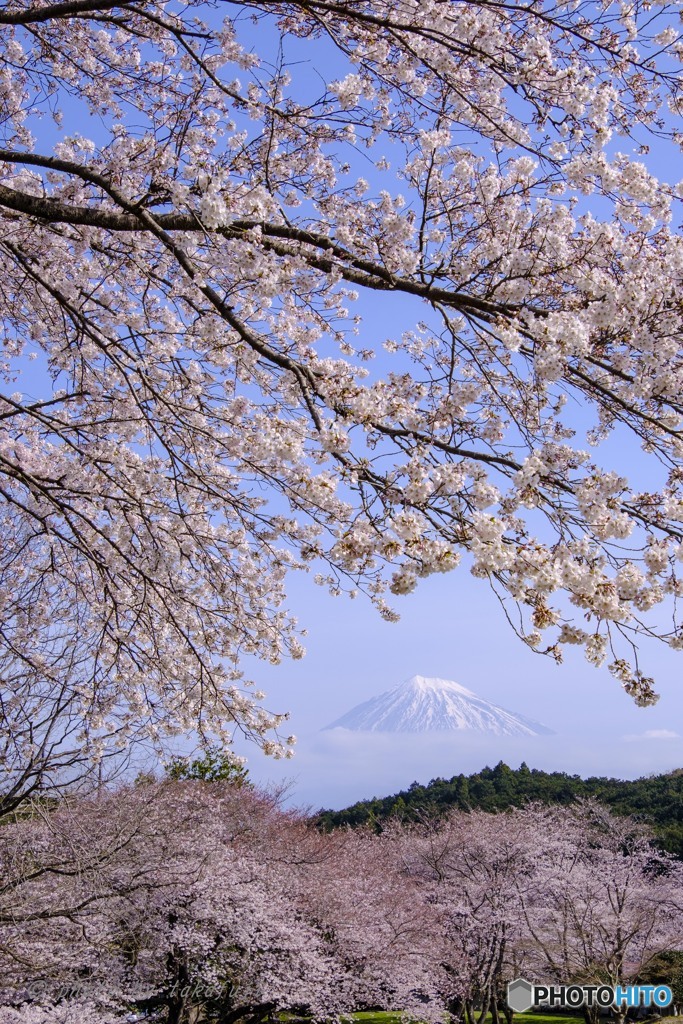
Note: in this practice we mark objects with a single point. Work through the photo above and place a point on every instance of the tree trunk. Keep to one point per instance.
(456, 1008)
(247, 1014)
(591, 1014)
(176, 1007)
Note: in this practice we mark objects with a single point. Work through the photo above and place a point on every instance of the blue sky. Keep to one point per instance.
(452, 628)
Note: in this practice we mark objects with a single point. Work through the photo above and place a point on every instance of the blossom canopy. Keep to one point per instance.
(199, 205)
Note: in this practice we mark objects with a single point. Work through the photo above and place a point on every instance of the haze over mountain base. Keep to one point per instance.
(338, 767)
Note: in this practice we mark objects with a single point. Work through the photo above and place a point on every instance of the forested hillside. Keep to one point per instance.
(657, 798)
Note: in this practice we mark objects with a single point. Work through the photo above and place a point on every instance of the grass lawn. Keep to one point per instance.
(541, 1018)
(379, 1017)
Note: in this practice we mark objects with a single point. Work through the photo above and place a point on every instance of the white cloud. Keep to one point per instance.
(651, 734)
(339, 767)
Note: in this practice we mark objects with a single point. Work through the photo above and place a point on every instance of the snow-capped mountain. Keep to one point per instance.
(430, 705)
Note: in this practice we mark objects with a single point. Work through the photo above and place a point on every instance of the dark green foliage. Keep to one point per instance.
(657, 799)
(667, 969)
(214, 766)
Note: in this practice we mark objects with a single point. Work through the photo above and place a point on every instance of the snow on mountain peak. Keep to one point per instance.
(424, 684)
(422, 704)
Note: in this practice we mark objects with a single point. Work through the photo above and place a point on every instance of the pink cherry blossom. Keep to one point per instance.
(191, 233)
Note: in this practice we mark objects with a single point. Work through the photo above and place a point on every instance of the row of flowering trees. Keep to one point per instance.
(185, 902)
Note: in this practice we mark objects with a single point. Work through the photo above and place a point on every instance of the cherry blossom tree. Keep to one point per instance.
(70, 1012)
(195, 900)
(472, 870)
(605, 904)
(64, 870)
(192, 231)
(165, 899)
(202, 900)
(376, 921)
(560, 894)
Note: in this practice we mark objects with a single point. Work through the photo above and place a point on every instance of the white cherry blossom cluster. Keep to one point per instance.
(193, 283)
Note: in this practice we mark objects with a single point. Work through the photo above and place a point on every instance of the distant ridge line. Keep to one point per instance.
(500, 788)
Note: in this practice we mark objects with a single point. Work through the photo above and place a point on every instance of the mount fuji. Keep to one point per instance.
(431, 705)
